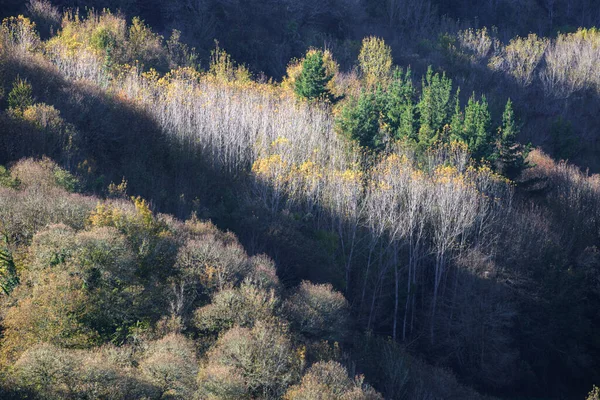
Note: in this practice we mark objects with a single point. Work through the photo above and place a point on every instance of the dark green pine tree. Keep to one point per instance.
(475, 129)
(21, 95)
(434, 107)
(313, 80)
(360, 120)
(399, 107)
(456, 123)
(510, 155)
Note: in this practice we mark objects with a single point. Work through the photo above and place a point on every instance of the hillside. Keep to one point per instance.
(369, 223)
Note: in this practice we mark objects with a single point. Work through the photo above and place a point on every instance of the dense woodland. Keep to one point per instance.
(342, 199)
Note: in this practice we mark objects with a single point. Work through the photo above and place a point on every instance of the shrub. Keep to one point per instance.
(243, 306)
(319, 312)
(212, 263)
(520, 58)
(170, 365)
(259, 362)
(48, 371)
(263, 273)
(44, 174)
(19, 33)
(54, 311)
(330, 381)
(6, 180)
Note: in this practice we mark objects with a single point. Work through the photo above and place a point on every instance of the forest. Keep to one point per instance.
(267, 199)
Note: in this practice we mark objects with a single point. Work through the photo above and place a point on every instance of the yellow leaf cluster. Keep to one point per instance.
(349, 175)
(444, 174)
(280, 141)
(106, 215)
(271, 168)
(117, 217)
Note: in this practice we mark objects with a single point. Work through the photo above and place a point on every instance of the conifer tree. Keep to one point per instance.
(21, 95)
(456, 123)
(434, 107)
(399, 113)
(475, 130)
(313, 80)
(360, 120)
(510, 155)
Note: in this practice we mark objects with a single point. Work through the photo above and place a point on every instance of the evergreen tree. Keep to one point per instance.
(434, 107)
(475, 128)
(564, 142)
(399, 113)
(21, 95)
(510, 155)
(313, 80)
(360, 120)
(456, 123)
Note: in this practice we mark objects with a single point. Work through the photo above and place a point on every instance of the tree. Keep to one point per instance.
(313, 80)
(241, 306)
(476, 132)
(434, 107)
(330, 381)
(55, 311)
(456, 124)
(399, 107)
(510, 155)
(454, 210)
(360, 120)
(21, 95)
(251, 363)
(375, 60)
(171, 366)
(319, 312)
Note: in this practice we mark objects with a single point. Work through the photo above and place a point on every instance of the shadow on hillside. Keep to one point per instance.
(118, 140)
